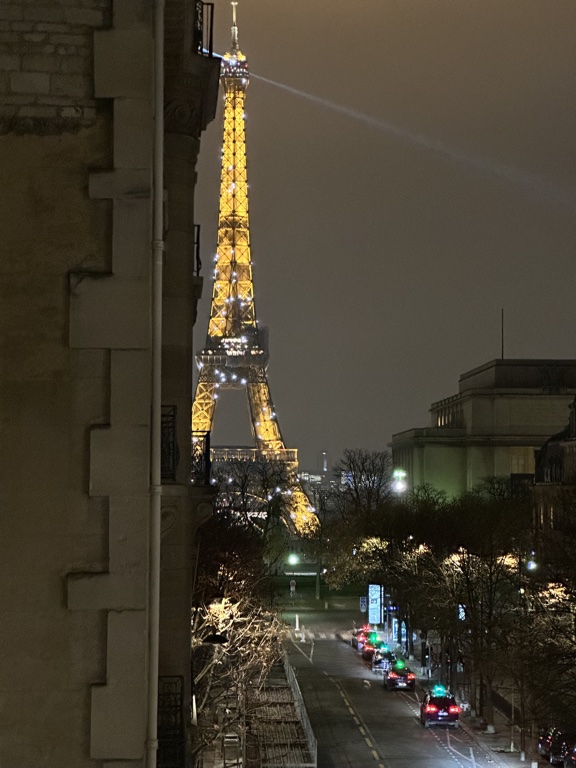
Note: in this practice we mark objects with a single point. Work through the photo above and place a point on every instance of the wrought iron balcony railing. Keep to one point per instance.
(203, 36)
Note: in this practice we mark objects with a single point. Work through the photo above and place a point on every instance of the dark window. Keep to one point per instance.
(169, 447)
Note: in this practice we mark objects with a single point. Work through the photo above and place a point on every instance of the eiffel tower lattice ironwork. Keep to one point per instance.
(235, 355)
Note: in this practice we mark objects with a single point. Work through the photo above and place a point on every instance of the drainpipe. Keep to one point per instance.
(156, 405)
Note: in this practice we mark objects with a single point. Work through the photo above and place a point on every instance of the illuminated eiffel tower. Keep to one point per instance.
(236, 354)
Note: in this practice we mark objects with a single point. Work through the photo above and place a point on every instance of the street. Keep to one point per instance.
(356, 721)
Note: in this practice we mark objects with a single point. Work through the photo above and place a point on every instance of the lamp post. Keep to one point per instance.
(399, 482)
(293, 560)
(531, 565)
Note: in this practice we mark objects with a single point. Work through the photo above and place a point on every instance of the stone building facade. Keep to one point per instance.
(76, 152)
(554, 489)
(503, 412)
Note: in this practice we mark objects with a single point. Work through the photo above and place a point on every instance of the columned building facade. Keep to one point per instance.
(503, 412)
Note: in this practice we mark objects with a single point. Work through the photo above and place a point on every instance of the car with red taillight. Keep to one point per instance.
(399, 677)
(557, 745)
(359, 637)
(439, 707)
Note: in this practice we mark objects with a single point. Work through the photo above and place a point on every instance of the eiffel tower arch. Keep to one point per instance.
(236, 355)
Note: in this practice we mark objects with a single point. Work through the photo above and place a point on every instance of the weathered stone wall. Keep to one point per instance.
(46, 64)
(75, 288)
(50, 395)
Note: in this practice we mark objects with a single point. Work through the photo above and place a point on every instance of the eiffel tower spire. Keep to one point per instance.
(236, 355)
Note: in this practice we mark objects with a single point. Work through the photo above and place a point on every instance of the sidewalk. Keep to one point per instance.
(498, 744)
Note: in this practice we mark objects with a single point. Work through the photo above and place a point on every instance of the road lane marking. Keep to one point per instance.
(301, 651)
(363, 728)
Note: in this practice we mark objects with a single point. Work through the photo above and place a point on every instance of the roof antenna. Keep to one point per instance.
(234, 28)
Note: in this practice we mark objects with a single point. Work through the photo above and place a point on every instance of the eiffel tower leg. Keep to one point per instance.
(301, 518)
(264, 424)
(202, 415)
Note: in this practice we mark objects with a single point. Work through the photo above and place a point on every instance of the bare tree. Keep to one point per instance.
(236, 637)
(256, 491)
(365, 478)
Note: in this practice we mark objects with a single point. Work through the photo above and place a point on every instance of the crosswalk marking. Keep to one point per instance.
(298, 634)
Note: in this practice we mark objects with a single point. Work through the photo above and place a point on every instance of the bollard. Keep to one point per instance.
(297, 622)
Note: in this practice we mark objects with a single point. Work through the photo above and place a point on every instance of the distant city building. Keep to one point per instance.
(555, 484)
(503, 412)
(95, 199)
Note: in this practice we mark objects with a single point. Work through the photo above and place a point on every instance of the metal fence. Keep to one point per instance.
(302, 713)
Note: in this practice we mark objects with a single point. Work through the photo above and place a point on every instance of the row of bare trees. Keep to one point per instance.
(236, 633)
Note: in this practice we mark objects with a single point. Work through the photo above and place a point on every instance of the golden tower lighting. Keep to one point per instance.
(236, 354)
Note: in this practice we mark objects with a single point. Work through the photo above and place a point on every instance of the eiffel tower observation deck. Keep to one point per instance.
(236, 355)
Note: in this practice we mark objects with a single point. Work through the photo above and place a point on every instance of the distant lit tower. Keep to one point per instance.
(236, 354)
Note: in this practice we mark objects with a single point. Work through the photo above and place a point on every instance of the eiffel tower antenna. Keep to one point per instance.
(236, 354)
(234, 27)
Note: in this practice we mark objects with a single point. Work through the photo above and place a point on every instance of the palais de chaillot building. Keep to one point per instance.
(102, 106)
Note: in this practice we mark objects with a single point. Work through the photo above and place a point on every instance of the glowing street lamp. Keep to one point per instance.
(399, 483)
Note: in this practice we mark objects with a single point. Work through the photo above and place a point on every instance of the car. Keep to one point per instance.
(372, 644)
(556, 744)
(359, 636)
(570, 759)
(382, 659)
(562, 747)
(439, 707)
(399, 677)
(545, 740)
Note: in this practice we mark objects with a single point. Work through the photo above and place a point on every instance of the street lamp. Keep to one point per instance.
(399, 483)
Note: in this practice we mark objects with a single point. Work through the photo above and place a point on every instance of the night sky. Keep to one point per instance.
(425, 180)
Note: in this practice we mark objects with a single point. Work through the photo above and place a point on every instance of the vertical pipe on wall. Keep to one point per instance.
(156, 406)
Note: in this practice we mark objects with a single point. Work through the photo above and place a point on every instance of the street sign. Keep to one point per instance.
(363, 604)
(375, 603)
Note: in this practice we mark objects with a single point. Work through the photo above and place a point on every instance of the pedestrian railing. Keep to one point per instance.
(302, 713)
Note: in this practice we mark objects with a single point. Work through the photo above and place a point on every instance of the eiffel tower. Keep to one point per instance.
(236, 353)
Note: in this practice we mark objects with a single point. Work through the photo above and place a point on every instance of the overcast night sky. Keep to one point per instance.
(388, 230)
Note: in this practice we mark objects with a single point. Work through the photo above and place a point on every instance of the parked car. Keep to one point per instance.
(570, 759)
(545, 740)
(399, 677)
(556, 744)
(439, 707)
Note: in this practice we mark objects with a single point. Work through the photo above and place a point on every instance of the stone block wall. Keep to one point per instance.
(47, 65)
(75, 235)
